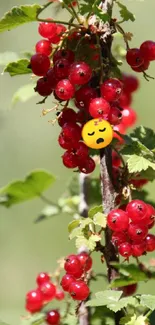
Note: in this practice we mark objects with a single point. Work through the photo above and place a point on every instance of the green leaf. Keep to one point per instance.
(133, 320)
(103, 298)
(125, 13)
(122, 281)
(132, 271)
(125, 320)
(24, 93)
(148, 301)
(101, 14)
(18, 16)
(122, 303)
(94, 210)
(136, 164)
(33, 185)
(85, 222)
(145, 135)
(18, 68)
(76, 232)
(89, 243)
(48, 212)
(100, 219)
(7, 57)
(72, 225)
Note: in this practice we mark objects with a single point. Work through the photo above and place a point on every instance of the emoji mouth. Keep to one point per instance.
(99, 140)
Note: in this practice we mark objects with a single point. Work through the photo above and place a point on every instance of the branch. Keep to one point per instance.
(83, 313)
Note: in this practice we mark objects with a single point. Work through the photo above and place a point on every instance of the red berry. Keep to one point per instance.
(116, 161)
(134, 57)
(34, 302)
(42, 278)
(47, 30)
(147, 50)
(125, 249)
(66, 281)
(115, 116)
(83, 96)
(67, 143)
(129, 117)
(99, 107)
(125, 99)
(138, 182)
(59, 32)
(85, 260)
(43, 87)
(69, 160)
(111, 89)
(118, 238)
(71, 131)
(63, 54)
(80, 73)
(81, 116)
(137, 232)
(137, 210)
(138, 249)
(79, 290)
(150, 243)
(131, 83)
(151, 225)
(52, 78)
(142, 67)
(53, 317)
(67, 115)
(121, 129)
(150, 214)
(60, 295)
(87, 166)
(118, 220)
(44, 46)
(129, 290)
(81, 150)
(48, 290)
(40, 64)
(64, 89)
(61, 68)
(73, 266)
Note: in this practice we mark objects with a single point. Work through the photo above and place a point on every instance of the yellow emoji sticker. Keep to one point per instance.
(97, 133)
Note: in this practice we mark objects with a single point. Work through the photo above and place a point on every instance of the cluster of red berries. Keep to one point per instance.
(45, 292)
(139, 58)
(130, 225)
(76, 267)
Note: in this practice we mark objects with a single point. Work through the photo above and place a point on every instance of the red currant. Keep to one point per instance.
(129, 117)
(64, 89)
(99, 107)
(129, 290)
(61, 68)
(150, 213)
(34, 302)
(44, 46)
(147, 50)
(79, 290)
(118, 220)
(83, 96)
(137, 210)
(52, 78)
(53, 317)
(73, 266)
(131, 83)
(111, 89)
(81, 150)
(60, 295)
(115, 116)
(43, 87)
(85, 260)
(40, 64)
(71, 131)
(142, 67)
(116, 161)
(137, 232)
(125, 99)
(66, 281)
(150, 243)
(134, 57)
(138, 182)
(42, 278)
(87, 166)
(69, 160)
(57, 37)
(64, 54)
(67, 143)
(125, 249)
(80, 73)
(48, 290)
(118, 238)
(67, 115)
(47, 30)
(138, 249)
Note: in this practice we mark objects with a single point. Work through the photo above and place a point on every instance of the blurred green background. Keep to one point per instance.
(28, 141)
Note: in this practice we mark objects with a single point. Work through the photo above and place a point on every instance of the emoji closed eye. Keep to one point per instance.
(91, 133)
(102, 130)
